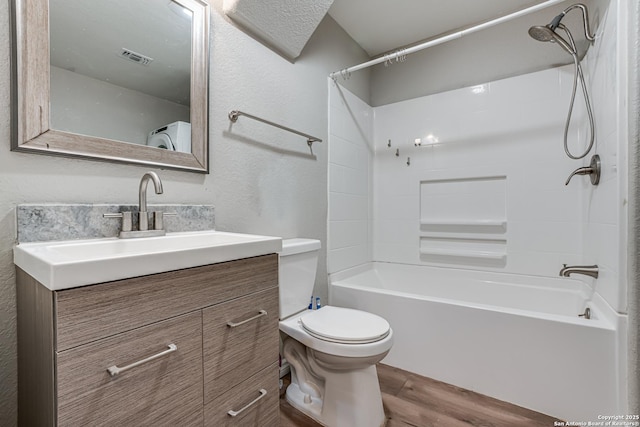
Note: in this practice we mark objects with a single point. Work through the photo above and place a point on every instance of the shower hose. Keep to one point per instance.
(577, 74)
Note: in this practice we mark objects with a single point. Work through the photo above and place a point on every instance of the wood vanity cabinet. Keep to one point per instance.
(221, 318)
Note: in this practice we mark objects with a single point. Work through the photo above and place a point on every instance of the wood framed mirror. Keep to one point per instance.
(61, 58)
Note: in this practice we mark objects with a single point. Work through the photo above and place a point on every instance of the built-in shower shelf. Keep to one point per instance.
(498, 256)
(466, 234)
(468, 227)
(464, 222)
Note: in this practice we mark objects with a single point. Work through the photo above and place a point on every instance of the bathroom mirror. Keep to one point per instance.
(96, 79)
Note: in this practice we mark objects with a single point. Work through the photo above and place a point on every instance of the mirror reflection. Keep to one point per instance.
(121, 70)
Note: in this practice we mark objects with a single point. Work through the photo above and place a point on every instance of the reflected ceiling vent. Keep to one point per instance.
(134, 57)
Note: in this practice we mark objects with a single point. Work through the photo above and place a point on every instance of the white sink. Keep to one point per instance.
(68, 264)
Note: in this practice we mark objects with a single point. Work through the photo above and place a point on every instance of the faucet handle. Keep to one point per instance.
(593, 170)
(158, 219)
(579, 171)
(126, 219)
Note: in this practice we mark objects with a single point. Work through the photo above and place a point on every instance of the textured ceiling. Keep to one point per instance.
(287, 26)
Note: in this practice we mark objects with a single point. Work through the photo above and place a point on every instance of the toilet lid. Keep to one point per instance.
(344, 325)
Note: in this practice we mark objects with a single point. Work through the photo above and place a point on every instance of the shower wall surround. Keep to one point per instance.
(604, 208)
(350, 180)
(506, 132)
(493, 155)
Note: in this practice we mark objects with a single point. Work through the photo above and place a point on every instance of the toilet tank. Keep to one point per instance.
(297, 274)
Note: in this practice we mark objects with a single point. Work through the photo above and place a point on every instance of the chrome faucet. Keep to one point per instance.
(143, 218)
(587, 270)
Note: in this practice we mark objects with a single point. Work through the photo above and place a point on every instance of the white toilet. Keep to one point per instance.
(332, 351)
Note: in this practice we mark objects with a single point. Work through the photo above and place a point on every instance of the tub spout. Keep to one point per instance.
(587, 270)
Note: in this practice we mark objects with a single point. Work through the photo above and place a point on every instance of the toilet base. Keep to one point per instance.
(308, 405)
(342, 405)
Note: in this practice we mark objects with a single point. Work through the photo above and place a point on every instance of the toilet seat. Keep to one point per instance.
(344, 325)
(292, 326)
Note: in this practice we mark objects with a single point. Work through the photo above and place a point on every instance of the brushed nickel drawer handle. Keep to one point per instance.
(260, 314)
(114, 370)
(263, 393)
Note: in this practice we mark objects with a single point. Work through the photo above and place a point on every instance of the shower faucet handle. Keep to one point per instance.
(580, 171)
(593, 170)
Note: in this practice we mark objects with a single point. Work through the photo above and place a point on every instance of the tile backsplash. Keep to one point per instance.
(44, 222)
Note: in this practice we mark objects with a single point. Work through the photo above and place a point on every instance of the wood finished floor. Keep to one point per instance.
(411, 400)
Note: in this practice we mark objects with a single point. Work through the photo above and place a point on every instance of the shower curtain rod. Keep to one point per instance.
(399, 54)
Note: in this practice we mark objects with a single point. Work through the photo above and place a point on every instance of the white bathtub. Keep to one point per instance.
(516, 338)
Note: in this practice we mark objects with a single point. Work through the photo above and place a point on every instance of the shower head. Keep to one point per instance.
(542, 33)
(546, 33)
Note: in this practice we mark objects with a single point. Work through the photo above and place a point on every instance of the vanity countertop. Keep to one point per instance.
(72, 263)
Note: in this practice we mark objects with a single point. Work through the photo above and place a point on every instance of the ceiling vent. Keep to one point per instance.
(135, 57)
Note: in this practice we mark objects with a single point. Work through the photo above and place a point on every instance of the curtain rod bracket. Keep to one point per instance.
(233, 115)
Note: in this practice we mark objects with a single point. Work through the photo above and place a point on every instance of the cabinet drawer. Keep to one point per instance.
(264, 412)
(232, 354)
(163, 391)
(93, 312)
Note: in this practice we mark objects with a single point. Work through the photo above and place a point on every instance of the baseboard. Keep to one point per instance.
(284, 368)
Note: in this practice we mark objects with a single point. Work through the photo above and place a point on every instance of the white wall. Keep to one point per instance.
(350, 179)
(262, 179)
(87, 106)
